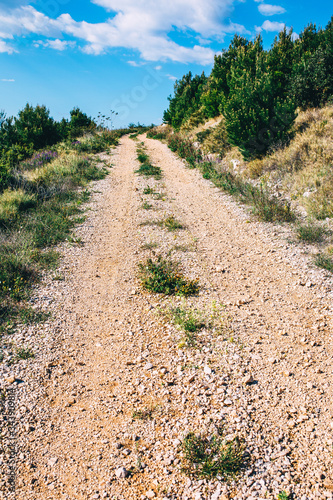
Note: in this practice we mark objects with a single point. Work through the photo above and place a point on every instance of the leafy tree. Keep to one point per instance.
(186, 100)
(79, 123)
(280, 62)
(256, 119)
(35, 127)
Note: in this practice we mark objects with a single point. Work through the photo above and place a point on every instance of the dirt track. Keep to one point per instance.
(118, 354)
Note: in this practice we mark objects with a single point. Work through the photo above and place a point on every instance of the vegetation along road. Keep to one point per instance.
(189, 353)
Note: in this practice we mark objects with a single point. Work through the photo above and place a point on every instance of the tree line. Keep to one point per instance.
(258, 91)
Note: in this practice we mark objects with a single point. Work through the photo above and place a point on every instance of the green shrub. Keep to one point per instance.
(210, 457)
(143, 157)
(163, 276)
(310, 232)
(171, 224)
(149, 170)
(184, 148)
(324, 261)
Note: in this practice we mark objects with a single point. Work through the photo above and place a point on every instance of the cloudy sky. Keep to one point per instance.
(124, 55)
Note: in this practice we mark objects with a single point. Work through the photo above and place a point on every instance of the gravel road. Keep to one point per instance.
(103, 408)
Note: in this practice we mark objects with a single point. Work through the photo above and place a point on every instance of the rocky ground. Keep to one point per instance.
(102, 410)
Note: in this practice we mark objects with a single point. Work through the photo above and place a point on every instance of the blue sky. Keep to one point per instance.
(124, 55)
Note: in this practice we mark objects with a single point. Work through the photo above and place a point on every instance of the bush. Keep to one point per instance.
(324, 261)
(95, 143)
(210, 457)
(163, 276)
(255, 118)
(310, 232)
(184, 148)
(149, 170)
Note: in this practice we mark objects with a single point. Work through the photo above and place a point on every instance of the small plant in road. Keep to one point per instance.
(208, 457)
(149, 170)
(148, 190)
(163, 276)
(172, 224)
(23, 353)
(147, 206)
(283, 496)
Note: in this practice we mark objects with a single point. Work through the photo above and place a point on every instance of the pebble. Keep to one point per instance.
(328, 484)
(121, 472)
(150, 494)
(207, 370)
(248, 380)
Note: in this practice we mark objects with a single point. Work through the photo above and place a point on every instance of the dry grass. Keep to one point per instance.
(12, 202)
(304, 167)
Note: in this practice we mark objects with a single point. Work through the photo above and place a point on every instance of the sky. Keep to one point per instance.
(125, 55)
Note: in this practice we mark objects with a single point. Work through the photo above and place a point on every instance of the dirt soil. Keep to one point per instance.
(116, 386)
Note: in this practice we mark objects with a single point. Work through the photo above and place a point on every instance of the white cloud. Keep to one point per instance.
(58, 44)
(135, 25)
(7, 80)
(171, 77)
(270, 10)
(158, 68)
(271, 26)
(26, 20)
(4, 47)
(135, 64)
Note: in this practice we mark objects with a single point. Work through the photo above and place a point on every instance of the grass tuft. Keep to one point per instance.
(147, 206)
(149, 246)
(324, 261)
(171, 224)
(210, 457)
(163, 276)
(148, 170)
(142, 414)
(310, 232)
(148, 190)
(24, 353)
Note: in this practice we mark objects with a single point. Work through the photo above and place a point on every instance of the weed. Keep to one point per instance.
(148, 170)
(180, 248)
(266, 207)
(24, 353)
(149, 246)
(143, 157)
(324, 261)
(147, 206)
(149, 223)
(209, 457)
(148, 190)
(163, 276)
(188, 320)
(283, 496)
(142, 414)
(171, 224)
(310, 232)
(30, 316)
(160, 196)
